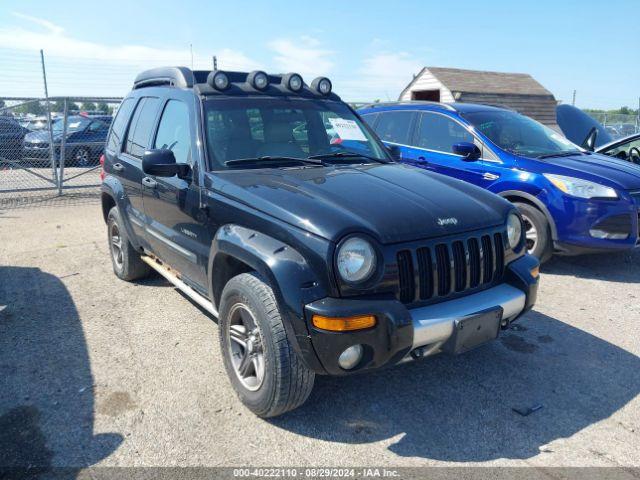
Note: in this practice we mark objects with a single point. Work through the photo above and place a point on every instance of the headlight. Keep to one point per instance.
(356, 260)
(514, 230)
(580, 188)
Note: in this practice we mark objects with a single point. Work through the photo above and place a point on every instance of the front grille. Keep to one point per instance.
(447, 268)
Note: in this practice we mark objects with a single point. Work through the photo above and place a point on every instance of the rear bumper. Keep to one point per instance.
(402, 334)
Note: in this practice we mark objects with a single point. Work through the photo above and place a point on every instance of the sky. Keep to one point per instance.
(370, 49)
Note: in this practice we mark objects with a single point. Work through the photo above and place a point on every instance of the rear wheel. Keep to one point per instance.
(126, 261)
(81, 157)
(537, 231)
(265, 372)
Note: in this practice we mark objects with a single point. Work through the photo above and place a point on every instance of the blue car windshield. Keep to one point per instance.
(520, 135)
(241, 131)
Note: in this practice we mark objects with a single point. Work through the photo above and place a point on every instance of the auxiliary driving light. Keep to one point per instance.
(293, 82)
(350, 357)
(218, 80)
(258, 80)
(322, 85)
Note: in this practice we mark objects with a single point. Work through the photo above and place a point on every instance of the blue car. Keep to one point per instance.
(572, 201)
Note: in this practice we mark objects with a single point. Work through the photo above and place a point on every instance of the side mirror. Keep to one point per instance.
(469, 151)
(395, 152)
(162, 163)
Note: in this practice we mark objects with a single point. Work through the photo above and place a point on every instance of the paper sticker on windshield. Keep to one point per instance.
(347, 129)
(73, 125)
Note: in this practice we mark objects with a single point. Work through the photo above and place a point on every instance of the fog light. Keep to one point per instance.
(350, 357)
(595, 233)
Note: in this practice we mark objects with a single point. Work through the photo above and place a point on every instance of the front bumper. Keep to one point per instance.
(576, 219)
(402, 334)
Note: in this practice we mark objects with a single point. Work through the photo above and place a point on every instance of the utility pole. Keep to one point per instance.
(215, 62)
(46, 96)
(573, 102)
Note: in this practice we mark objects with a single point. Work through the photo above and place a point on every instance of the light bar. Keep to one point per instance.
(258, 80)
(218, 80)
(322, 85)
(293, 82)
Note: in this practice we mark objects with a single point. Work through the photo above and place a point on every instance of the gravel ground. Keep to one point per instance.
(96, 371)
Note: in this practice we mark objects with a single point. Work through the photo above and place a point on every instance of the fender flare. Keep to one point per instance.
(113, 188)
(538, 203)
(293, 281)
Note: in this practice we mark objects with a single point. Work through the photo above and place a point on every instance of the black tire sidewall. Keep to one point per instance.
(258, 401)
(543, 248)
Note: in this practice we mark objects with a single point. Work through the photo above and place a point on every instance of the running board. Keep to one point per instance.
(180, 285)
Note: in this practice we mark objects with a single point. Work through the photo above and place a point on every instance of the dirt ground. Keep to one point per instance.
(96, 371)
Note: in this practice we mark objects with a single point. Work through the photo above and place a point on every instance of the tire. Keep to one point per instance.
(126, 261)
(537, 230)
(275, 380)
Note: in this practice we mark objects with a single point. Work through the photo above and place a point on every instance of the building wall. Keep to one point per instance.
(539, 107)
(427, 81)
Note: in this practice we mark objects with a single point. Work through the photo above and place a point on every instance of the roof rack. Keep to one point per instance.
(411, 102)
(180, 77)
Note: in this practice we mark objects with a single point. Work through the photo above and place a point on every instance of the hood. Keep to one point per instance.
(620, 174)
(41, 136)
(391, 202)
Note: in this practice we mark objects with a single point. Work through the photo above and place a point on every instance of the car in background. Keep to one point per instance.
(11, 137)
(33, 124)
(627, 148)
(85, 140)
(572, 201)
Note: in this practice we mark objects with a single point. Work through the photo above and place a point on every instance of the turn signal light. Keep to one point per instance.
(535, 272)
(344, 324)
(102, 172)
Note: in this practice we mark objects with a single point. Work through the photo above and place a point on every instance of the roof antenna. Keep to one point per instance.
(191, 49)
(215, 63)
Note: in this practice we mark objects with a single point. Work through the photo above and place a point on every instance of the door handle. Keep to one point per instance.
(118, 167)
(149, 182)
(422, 159)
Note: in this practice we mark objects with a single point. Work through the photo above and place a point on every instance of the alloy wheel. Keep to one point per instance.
(246, 347)
(531, 234)
(116, 246)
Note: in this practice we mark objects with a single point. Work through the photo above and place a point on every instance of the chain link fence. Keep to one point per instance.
(52, 147)
(617, 124)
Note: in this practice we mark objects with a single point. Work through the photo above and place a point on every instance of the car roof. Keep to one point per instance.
(433, 106)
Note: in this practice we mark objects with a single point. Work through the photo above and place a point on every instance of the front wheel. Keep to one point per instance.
(265, 372)
(537, 231)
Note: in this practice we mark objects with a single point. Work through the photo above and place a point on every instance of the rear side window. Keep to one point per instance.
(394, 126)
(174, 132)
(440, 133)
(141, 127)
(120, 124)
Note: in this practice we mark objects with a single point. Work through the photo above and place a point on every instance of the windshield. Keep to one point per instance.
(73, 123)
(520, 135)
(268, 128)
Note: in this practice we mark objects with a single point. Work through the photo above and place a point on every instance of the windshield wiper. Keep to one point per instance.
(272, 161)
(561, 154)
(327, 156)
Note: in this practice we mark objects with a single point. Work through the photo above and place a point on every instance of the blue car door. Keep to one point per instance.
(432, 148)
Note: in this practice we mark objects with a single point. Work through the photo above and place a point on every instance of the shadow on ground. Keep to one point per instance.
(46, 395)
(611, 267)
(459, 409)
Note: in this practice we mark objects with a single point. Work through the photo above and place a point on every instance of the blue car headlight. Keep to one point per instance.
(577, 187)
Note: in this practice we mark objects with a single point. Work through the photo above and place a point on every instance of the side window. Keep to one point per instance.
(141, 127)
(120, 123)
(394, 126)
(370, 118)
(437, 132)
(174, 132)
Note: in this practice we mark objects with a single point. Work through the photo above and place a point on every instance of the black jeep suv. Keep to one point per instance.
(272, 205)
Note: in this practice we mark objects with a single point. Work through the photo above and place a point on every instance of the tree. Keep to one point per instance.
(104, 108)
(2, 103)
(88, 106)
(35, 108)
(625, 111)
